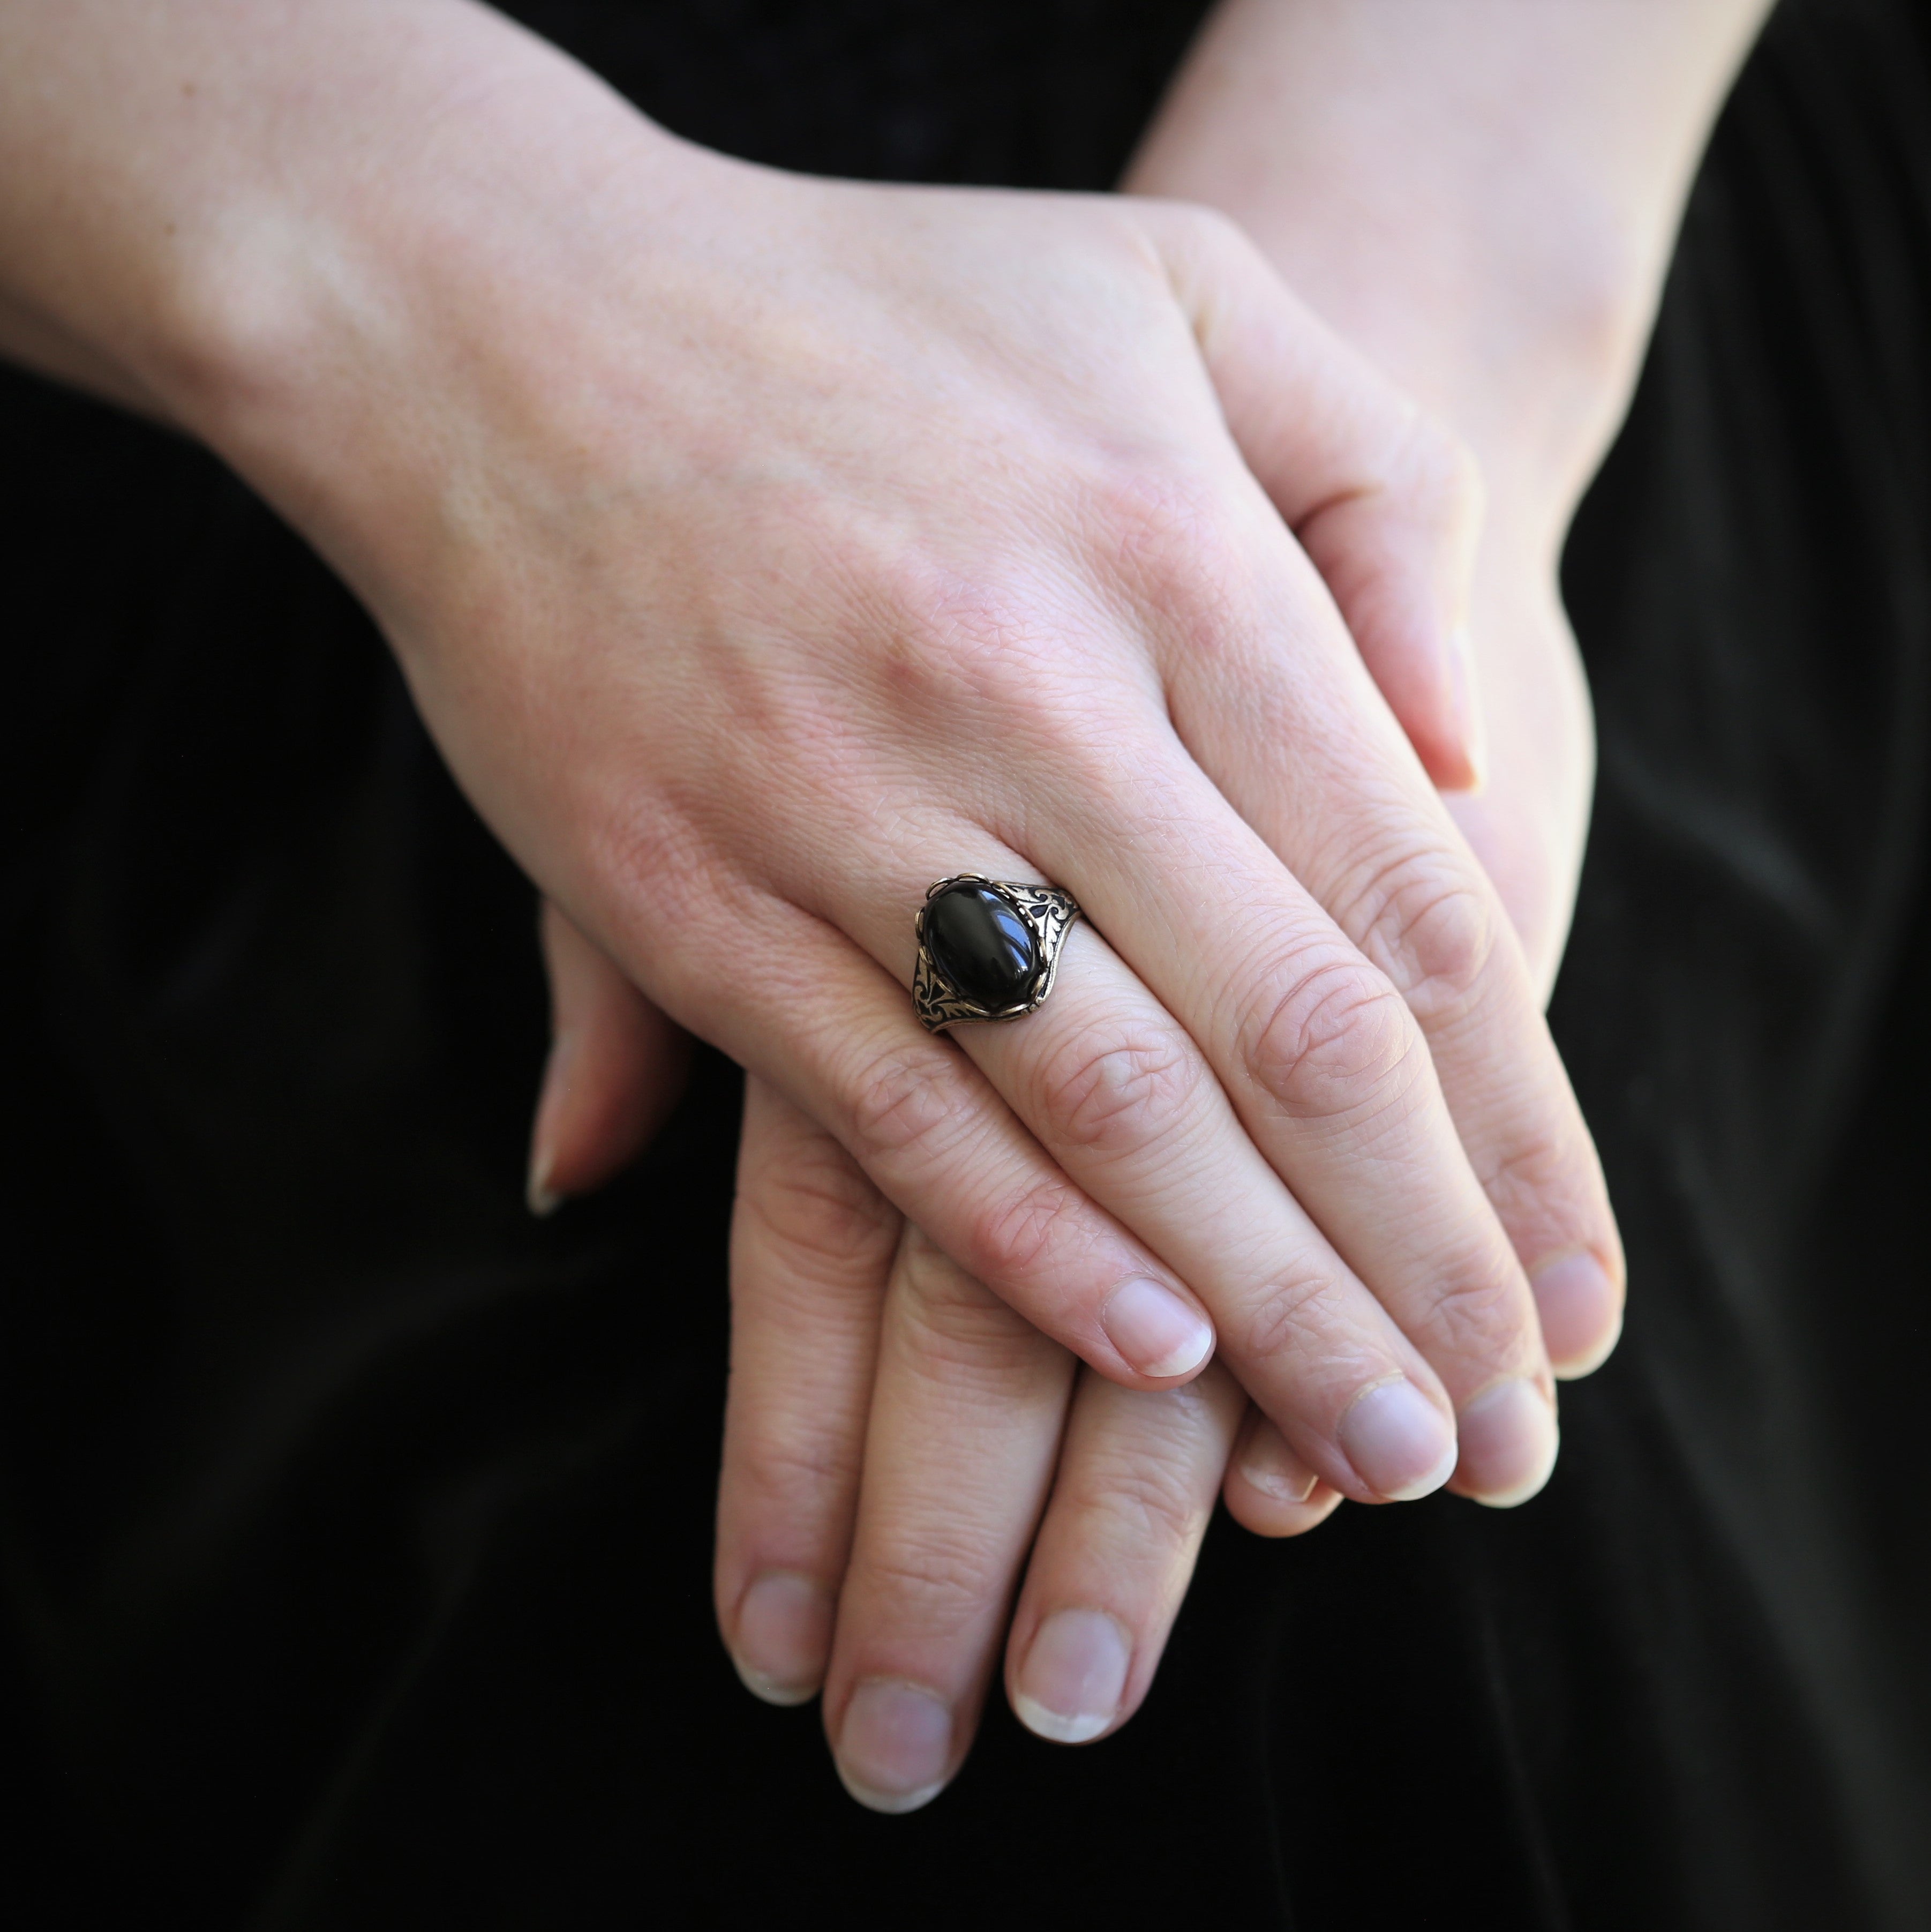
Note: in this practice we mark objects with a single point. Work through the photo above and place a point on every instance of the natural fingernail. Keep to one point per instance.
(1508, 1444)
(894, 1746)
(1401, 1445)
(1468, 705)
(1074, 1674)
(1581, 1312)
(1156, 1332)
(543, 1199)
(1273, 1469)
(784, 1636)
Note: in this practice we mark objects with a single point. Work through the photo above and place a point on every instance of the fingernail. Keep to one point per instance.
(1468, 702)
(1156, 1332)
(1581, 1312)
(1074, 1674)
(1508, 1444)
(895, 1745)
(1273, 1469)
(1401, 1445)
(543, 1198)
(784, 1636)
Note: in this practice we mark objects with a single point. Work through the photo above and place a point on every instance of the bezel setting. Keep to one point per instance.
(1049, 914)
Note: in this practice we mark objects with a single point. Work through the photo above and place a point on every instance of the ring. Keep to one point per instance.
(988, 949)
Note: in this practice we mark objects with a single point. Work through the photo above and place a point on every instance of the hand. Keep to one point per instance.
(941, 551)
(1526, 824)
(900, 1447)
(1483, 198)
(853, 621)
(892, 1430)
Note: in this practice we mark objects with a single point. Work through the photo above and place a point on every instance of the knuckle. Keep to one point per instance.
(1164, 528)
(1288, 1315)
(1014, 1240)
(900, 1114)
(802, 1472)
(1431, 929)
(1549, 1181)
(1164, 507)
(1149, 1498)
(975, 649)
(1338, 1042)
(940, 1582)
(1114, 1097)
(1215, 234)
(650, 843)
(990, 665)
(818, 1206)
(987, 639)
(649, 850)
(963, 1330)
(1440, 475)
(1479, 1315)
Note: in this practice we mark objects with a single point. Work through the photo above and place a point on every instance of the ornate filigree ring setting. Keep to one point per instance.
(988, 949)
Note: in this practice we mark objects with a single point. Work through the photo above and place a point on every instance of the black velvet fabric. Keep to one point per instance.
(355, 1528)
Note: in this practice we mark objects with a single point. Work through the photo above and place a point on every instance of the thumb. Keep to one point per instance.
(1386, 501)
(617, 1068)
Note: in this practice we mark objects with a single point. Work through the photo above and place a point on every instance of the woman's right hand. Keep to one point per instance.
(760, 550)
(901, 1449)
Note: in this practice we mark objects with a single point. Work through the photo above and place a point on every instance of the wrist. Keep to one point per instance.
(346, 329)
(1482, 197)
(228, 212)
(339, 278)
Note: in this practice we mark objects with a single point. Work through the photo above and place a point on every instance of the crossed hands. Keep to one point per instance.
(1282, 1197)
(759, 549)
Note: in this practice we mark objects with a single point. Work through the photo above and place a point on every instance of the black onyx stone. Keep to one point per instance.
(981, 945)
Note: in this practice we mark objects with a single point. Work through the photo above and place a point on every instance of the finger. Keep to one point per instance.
(1333, 1079)
(967, 1410)
(959, 1165)
(1269, 1489)
(1138, 1477)
(1336, 1094)
(1340, 460)
(811, 1247)
(1121, 1097)
(616, 1068)
(1386, 501)
(1328, 1073)
(832, 1030)
(1407, 893)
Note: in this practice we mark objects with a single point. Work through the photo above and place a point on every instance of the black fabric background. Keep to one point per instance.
(355, 1529)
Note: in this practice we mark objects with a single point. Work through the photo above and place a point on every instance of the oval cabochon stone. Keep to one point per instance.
(981, 945)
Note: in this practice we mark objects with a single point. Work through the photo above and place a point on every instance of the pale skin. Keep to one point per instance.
(758, 550)
(1362, 145)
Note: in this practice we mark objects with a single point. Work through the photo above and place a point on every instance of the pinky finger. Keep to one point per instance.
(617, 1068)
(1269, 1489)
